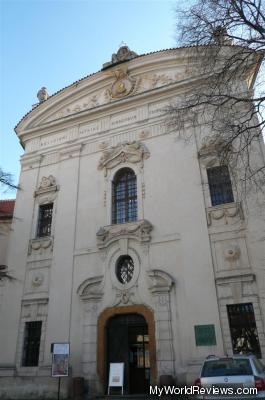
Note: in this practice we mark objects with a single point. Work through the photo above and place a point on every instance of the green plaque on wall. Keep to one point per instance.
(205, 335)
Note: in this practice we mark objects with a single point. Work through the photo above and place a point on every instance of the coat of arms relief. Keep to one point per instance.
(123, 86)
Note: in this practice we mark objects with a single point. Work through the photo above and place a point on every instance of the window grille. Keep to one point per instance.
(31, 344)
(45, 220)
(220, 185)
(124, 197)
(124, 269)
(243, 329)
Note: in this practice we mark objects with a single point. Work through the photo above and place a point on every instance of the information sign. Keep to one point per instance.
(60, 359)
(116, 375)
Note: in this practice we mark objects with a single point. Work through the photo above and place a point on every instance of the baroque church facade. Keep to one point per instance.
(125, 243)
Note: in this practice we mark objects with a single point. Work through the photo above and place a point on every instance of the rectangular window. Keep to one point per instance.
(220, 185)
(31, 344)
(45, 220)
(243, 329)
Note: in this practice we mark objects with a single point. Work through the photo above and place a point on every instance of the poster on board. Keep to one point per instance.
(60, 359)
(116, 375)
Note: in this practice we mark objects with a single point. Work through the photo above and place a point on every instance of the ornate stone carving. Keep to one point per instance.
(225, 213)
(122, 86)
(132, 152)
(91, 289)
(161, 281)
(123, 54)
(139, 230)
(47, 184)
(39, 245)
(210, 150)
(124, 296)
(37, 279)
(42, 94)
(232, 253)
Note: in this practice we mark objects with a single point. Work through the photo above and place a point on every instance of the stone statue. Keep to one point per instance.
(42, 94)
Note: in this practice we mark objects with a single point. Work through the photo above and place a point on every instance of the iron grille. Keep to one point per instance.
(124, 269)
(45, 220)
(124, 197)
(220, 185)
(31, 344)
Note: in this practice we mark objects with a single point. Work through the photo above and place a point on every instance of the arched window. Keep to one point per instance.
(124, 197)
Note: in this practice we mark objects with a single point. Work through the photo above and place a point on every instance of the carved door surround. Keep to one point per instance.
(90, 293)
(103, 319)
(160, 287)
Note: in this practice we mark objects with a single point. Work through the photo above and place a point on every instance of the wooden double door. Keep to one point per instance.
(127, 341)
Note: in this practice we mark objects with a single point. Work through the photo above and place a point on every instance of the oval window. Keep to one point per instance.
(124, 269)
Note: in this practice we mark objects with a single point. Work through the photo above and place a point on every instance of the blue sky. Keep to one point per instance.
(53, 43)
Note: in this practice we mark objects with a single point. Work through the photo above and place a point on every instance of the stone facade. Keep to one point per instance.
(191, 259)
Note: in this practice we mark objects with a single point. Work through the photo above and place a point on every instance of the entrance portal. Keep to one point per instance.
(127, 341)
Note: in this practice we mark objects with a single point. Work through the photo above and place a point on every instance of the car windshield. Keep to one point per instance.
(227, 366)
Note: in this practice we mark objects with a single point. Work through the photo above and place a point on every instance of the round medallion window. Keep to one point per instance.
(124, 269)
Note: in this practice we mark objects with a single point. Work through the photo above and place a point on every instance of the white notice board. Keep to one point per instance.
(61, 348)
(116, 374)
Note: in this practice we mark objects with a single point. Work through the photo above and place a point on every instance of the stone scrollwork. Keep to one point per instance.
(39, 245)
(124, 297)
(47, 184)
(91, 289)
(161, 281)
(132, 152)
(210, 150)
(139, 230)
(123, 54)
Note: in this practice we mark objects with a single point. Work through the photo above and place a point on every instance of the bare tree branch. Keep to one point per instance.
(228, 37)
(6, 180)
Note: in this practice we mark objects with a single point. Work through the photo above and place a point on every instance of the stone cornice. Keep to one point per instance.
(235, 276)
(156, 94)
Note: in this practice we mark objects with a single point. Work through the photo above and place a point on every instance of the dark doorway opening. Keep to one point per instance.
(127, 341)
(243, 329)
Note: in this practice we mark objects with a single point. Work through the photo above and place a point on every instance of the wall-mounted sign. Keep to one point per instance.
(60, 359)
(116, 375)
(205, 335)
(60, 348)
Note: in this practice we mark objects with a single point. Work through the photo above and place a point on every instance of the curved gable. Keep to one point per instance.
(112, 84)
